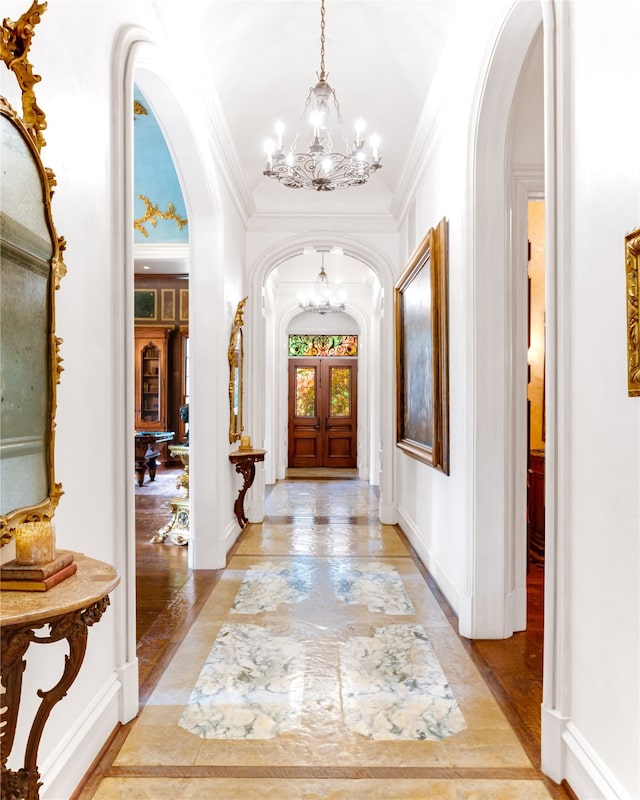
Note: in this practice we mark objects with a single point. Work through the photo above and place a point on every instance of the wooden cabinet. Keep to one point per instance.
(151, 379)
(535, 506)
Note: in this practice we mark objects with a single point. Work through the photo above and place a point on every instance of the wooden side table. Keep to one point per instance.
(69, 609)
(245, 462)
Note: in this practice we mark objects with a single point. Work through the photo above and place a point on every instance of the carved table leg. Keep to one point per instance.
(248, 471)
(24, 783)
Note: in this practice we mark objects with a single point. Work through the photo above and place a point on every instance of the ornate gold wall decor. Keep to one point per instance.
(32, 267)
(138, 109)
(236, 388)
(15, 42)
(632, 262)
(152, 213)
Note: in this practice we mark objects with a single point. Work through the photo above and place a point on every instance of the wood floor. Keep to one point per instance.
(170, 598)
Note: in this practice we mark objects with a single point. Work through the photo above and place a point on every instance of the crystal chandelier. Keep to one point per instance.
(322, 300)
(319, 167)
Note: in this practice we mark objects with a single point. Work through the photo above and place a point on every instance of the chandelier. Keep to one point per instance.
(322, 300)
(320, 167)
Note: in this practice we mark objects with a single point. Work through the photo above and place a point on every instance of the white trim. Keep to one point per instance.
(68, 762)
(586, 773)
(490, 301)
(446, 585)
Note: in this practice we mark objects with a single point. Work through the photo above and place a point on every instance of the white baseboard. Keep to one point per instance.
(441, 577)
(129, 695)
(586, 773)
(69, 761)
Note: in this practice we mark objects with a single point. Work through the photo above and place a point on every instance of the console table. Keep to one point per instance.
(69, 609)
(245, 463)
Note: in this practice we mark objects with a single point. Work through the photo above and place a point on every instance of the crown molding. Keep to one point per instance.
(160, 251)
(270, 221)
(225, 152)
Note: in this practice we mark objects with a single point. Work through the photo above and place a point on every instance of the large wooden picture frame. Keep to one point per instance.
(422, 353)
(632, 263)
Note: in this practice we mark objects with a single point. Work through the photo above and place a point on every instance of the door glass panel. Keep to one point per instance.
(340, 401)
(305, 392)
(151, 384)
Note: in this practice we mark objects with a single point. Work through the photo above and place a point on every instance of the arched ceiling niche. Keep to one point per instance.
(346, 274)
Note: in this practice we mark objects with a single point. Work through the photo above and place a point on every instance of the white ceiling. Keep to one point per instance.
(262, 57)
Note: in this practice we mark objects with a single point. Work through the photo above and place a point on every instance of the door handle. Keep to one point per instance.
(317, 426)
(326, 423)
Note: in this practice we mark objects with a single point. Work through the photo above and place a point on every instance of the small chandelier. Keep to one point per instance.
(322, 300)
(319, 167)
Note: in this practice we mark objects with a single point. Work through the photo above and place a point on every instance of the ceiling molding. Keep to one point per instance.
(226, 155)
(269, 221)
(161, 251)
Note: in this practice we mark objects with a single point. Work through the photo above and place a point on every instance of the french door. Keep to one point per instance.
(323, 412)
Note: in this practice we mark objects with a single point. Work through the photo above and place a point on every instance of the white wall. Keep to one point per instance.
(603, 737)
(82, 92)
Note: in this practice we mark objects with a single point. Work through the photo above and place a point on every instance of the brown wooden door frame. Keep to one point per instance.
(323, 440)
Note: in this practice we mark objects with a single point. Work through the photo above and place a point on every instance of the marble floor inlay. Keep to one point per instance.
(375, 585)
(321, 666)
(251, 686)
(393, 687)
(267, 585)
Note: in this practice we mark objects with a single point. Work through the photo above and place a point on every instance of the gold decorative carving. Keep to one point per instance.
(236, 388)
(138, 109)
(632, 262)
(151, 214)
(15, 42)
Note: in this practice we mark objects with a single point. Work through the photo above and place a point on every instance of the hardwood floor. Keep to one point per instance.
(170, 598)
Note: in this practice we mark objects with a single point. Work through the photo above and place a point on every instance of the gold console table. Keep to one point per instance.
(69, 609)
(245, 463)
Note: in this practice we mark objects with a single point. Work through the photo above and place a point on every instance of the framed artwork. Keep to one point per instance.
(184, 304)
(144, 304)
(632, 263)
(168, 305)
(422, 352)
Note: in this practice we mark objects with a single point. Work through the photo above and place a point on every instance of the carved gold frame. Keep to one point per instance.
(15, 41)
(236, 381)
(422, 353)
(632, 264)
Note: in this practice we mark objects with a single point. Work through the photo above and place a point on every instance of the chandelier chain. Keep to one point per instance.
(322, 73)
(320, 167)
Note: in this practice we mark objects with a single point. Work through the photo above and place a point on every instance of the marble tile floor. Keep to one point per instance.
(322, 665)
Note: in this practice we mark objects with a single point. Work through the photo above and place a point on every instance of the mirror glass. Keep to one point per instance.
(236, 358)
(28, 350)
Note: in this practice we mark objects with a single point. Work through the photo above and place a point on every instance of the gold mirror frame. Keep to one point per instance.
(236, 380)
(632, 263)
(15, 40)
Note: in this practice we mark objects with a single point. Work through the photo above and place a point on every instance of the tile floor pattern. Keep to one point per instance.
(322, 666)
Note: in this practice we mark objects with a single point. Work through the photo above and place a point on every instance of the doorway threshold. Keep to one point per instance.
(322, 473)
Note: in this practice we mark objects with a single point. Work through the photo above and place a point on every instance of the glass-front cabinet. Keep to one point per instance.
(151, 377)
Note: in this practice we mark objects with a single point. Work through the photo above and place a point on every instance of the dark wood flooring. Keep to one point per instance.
(170, 596)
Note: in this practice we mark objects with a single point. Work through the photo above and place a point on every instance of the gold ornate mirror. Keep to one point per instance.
(31, 267)
(236, 357)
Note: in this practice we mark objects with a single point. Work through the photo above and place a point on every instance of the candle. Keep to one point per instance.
(35, 542)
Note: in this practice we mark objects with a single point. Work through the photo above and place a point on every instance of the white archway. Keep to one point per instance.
(137, 57)
(497, 430)
(377, 338)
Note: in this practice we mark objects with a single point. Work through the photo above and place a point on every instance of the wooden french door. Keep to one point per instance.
(322, 412)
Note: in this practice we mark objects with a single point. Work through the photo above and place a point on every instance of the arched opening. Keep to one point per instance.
(284, 274)
(138, 61)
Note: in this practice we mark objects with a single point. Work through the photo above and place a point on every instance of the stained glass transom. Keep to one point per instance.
(337, 345)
